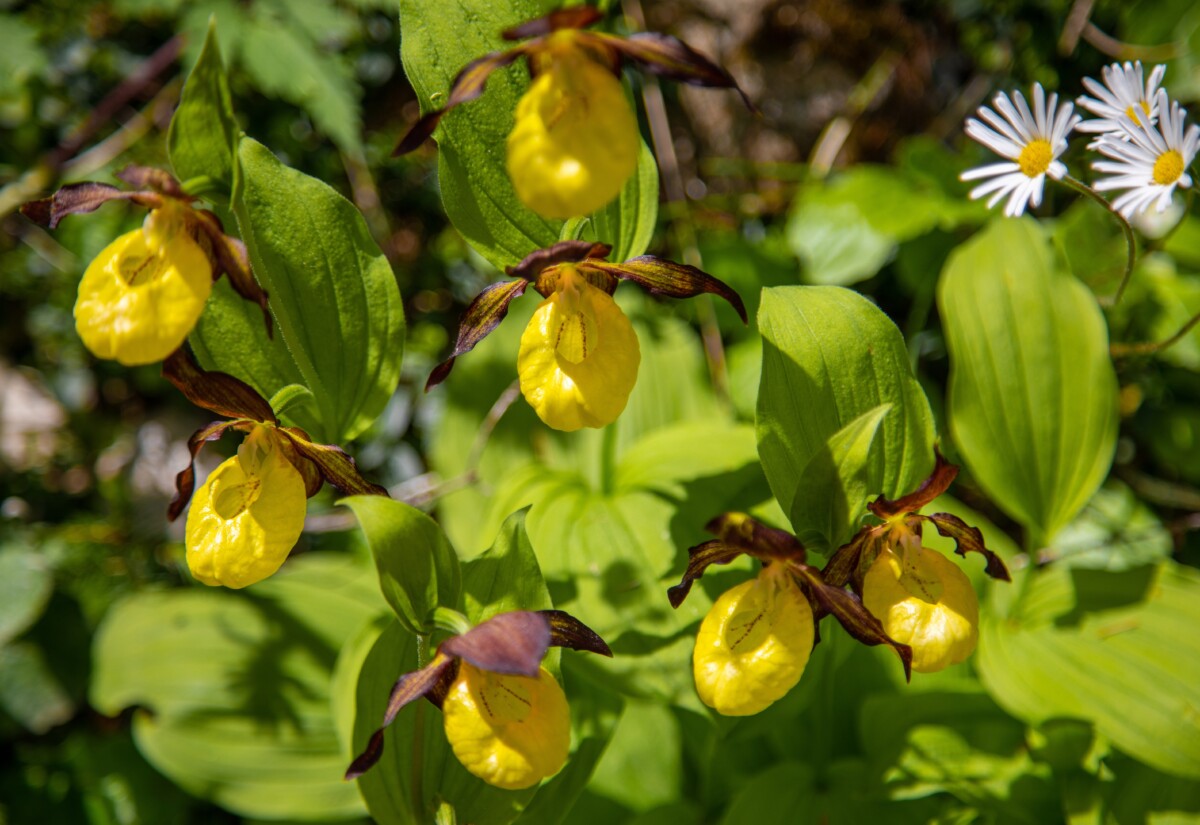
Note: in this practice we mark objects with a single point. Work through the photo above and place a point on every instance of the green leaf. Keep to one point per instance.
(782, 794)
(287, 62)
(1032, 394)
(393, 791)
(30, 692)
(418, 569)
(835, 484)
(438, 41)
(236, 685)
(203, 131)
(627, 224)
(1117, 649)
(829, 356)
(506, 576)
(333, 293)
(960, 743)
(291, 395)
(26, 582)
(836, 244)
(1115, 531)
(642, 767)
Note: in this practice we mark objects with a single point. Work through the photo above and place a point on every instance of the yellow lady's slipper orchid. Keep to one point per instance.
(141, 296)
(579, 356)
(925, 601)
(754, 643)
(247, 516)
(575, 139)
(510, 731)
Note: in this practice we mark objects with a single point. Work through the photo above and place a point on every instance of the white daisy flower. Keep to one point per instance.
(1125, 94)
(1032, 142)
(1149, 161)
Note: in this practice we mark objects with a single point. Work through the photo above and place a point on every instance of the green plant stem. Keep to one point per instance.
(1151, 347)
(608, 459)
(417, 777)
(1130, 244)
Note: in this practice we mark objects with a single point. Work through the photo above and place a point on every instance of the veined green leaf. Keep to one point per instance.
(506, 576)
(340, 319)
(1033, 395)
(200, 141)
(238, 685)
(627, 224)
(835, 484)
(418, 569)
(829, 356)
(1115, 648)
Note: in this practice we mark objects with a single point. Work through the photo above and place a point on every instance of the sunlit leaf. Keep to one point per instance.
(1032, 396)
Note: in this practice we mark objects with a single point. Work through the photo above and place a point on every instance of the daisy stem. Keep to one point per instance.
(1151, 347)
(1131, 246)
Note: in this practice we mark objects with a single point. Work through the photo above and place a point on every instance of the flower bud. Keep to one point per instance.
(925, 601)
(753, 644)
(510, 731)
(574, 141)
(247, 516)
(579, 356)
(141, 296)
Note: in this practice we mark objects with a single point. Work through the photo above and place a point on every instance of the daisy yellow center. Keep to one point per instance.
(1132, 113)
(1035, 158)
(1168, 168)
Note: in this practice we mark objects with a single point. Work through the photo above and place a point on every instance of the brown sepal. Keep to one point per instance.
(216, 392)
(484, 314)
(700, 557)
(844, 565)
(150, 177)
(661, 277)
(468, 84)
(670, 57)
(968, 539)
(510, 643)
(848, 609)
(185, 480)
(333, 463)
(229, 256)
(563, 252)
(567, 631)
(938, 482)
(410, 687)
(575, 17)
(754, 538)
(78, 198)
(308, 470)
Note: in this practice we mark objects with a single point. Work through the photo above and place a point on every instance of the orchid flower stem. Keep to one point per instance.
(1130, 244)
(608, 458)
(417, 775)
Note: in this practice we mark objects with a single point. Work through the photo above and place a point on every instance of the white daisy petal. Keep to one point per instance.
(1031, 140)
(1148, 161)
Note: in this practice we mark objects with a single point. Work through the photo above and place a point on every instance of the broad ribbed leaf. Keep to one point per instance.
(418, 569)
(833, 489)
(1033, 396)
(235, 686)
(200, 141)
(830, 356)
(1116, 648)
(332, 292)
(506, 576)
